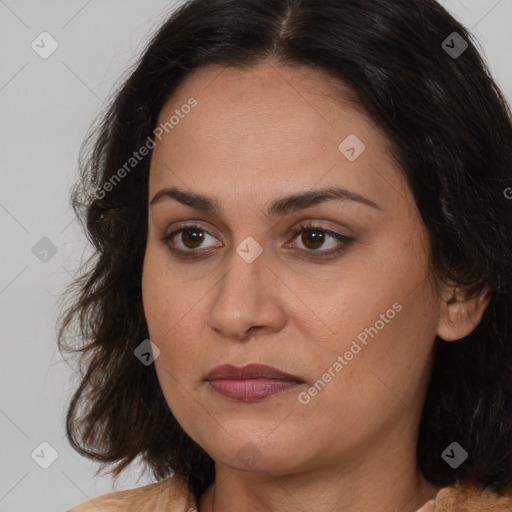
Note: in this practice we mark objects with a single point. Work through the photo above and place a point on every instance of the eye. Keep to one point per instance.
(315, 237)
(190, 238)
(185, 241)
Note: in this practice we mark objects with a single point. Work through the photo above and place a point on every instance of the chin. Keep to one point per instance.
(256, 453)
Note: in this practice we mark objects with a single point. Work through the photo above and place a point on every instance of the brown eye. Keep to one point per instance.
(191, 241)
(192, 238)
(319, 241)
(313, 239)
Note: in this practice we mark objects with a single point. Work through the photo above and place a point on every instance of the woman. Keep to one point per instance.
(301, 294)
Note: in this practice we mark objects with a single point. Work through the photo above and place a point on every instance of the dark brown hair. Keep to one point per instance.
(450, 131)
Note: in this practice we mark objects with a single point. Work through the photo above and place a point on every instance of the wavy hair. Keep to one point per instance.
(449, 129)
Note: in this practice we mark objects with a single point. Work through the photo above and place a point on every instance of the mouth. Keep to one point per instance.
(250, 383)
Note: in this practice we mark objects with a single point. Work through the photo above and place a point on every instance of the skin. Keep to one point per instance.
(257, 135)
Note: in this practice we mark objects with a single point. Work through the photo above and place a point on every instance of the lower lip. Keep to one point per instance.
(251, 390)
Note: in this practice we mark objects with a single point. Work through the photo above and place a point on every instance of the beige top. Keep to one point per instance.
(172, 495)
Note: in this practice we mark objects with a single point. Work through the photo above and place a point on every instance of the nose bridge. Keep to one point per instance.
(245, 298)
(244, 281)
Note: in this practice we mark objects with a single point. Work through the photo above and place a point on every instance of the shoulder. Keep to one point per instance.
(463, 498)
(171, 495)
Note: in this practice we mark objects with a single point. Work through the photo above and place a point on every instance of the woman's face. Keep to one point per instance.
(353, 319)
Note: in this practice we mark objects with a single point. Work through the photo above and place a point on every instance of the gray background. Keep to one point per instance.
(46, 107)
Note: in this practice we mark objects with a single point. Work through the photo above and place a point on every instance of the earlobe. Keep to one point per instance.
(461, 314)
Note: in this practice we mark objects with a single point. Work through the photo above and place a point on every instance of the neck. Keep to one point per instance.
(234, 491)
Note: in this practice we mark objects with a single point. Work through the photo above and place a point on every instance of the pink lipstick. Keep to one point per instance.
(250, 383)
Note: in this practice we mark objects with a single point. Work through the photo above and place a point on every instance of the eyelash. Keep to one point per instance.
(303, 227)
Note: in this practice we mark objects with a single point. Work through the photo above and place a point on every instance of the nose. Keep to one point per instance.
(248, 300)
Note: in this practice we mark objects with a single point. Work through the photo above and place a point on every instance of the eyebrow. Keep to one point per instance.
(280, 207)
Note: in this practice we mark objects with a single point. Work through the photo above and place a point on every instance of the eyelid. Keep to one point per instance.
(187, 225)
(305, 226)
(344, 240)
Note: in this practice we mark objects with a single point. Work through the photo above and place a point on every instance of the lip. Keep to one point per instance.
(250, 383)
(250, 371)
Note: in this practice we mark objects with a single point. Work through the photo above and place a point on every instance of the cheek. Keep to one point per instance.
(164, 296)
(375, 382)
(382, 321)
(154, 298)
(171, 309)
(170, 329)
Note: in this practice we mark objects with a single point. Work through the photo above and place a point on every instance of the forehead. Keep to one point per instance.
(271, 124)
(272, 90)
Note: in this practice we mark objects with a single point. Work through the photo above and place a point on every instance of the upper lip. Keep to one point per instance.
(250, 371)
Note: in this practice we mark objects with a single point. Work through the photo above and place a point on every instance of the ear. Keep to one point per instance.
(460, 314)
